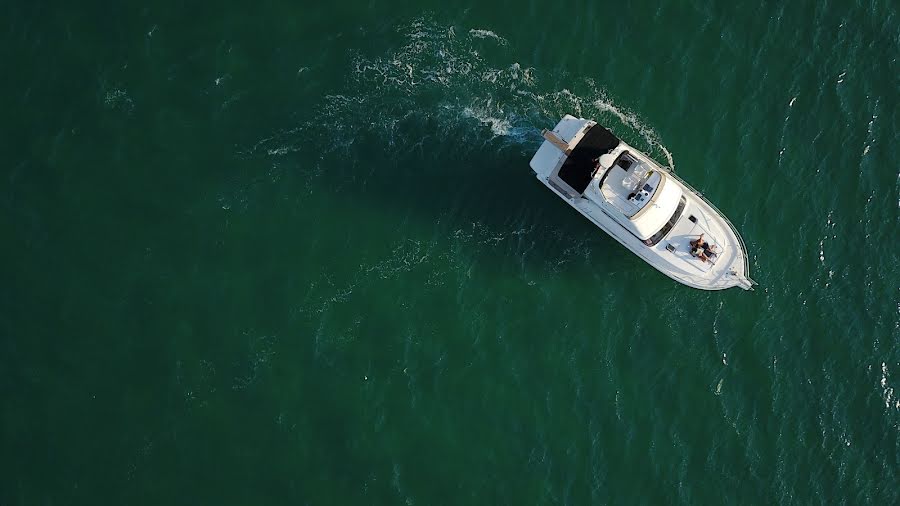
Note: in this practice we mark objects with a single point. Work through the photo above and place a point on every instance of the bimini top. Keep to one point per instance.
(578, 168)
(596, 141)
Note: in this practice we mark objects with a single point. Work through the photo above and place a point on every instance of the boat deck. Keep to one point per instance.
(686, 231)
(619, 183)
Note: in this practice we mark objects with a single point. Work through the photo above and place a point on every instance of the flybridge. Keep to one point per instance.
(580, 165)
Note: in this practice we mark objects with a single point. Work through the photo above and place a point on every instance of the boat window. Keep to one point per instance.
(668, 226)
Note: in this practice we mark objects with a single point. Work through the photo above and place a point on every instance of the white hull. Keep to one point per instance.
(671, 255)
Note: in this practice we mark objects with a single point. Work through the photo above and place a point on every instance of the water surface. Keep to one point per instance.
(293, 254)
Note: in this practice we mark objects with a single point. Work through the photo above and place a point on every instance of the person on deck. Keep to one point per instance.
(699, 248)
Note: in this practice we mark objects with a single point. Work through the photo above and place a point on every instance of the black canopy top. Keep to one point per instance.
(579, 167)
(596, 141)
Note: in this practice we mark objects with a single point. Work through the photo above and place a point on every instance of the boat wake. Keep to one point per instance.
(443, 76)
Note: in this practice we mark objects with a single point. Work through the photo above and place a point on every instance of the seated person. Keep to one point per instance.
(699, 243)
(701, 249)
(699, 253)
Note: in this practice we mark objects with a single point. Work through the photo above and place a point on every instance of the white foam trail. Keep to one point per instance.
(434, 62)
(118, 99)
(890, 400)
(487, 34)
(633, 121)
(499, 126)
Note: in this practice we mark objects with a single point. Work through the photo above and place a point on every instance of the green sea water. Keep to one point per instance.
(291, 252)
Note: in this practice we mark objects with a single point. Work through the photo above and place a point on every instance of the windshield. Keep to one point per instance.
(668, 226)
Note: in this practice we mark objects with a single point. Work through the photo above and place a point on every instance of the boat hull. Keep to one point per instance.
(671, 255)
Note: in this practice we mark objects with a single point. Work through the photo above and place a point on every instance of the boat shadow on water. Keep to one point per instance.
(461, 184)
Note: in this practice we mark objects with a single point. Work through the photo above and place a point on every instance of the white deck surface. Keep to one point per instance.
(686, 231)
(619, 184)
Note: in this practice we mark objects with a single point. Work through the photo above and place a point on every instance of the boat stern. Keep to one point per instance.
(550, 156)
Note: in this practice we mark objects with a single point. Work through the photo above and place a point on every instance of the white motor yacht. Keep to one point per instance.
(643, 205)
